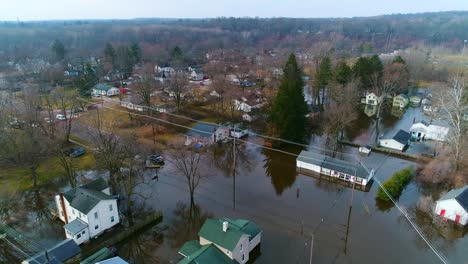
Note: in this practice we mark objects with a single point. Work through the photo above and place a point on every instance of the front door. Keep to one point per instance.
(457, 219)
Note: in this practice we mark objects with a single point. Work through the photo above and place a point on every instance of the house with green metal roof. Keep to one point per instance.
(222, 240)
(102, 89)
(87, 210)
(454, 205)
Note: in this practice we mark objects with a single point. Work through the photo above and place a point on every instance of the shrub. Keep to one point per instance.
(395, 184)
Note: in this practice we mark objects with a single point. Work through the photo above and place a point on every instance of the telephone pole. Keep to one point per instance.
(311, 247)
(234, 172)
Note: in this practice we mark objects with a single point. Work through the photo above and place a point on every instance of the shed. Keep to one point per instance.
(454, 205)
(398, 140)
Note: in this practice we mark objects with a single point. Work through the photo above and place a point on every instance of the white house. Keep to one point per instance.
(373, 99)
(101, 89)
(424, 131)
(222, 241)
(454, 206)
(357, 173)
(398, 140)
(87, 210)
(241, 105)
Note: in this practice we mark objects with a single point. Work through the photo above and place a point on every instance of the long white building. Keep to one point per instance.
(87, 210)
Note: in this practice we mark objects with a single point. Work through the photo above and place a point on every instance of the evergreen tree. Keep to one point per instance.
(135, 52)
(177, 57)
(323, 77)
(109, 53)
(342, 72)
(399, 59)
(289, 107)
(59, 50)
(365, 68)
(88, 80)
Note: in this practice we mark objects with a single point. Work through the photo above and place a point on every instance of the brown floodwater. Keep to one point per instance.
(289, 207)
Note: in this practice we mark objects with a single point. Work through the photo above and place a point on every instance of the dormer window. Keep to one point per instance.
(241, 247)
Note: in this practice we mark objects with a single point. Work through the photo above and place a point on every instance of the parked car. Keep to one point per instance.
(77, 152)
(74, 152)
(60, 117)
(77, 110)
(156, 159)
(365, 150)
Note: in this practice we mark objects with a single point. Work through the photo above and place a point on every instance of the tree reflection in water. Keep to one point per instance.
(223, 157)
(281, 168)
(141, 247)
(189, 219)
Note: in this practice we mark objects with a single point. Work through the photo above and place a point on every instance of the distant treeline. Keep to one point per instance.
(197, 36)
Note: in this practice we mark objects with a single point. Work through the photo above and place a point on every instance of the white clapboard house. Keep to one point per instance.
(222, 241)
(87, 210)
(398, 140)
(353, 172)
(454, 206)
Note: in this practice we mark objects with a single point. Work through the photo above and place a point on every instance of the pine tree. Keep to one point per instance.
(342, 72)
(289, 107)
(109, 53)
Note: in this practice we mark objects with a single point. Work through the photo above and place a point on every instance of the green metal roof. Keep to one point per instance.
(207, 254)
(189, 248)
(102, 254)
(102, 87)
(212, 230)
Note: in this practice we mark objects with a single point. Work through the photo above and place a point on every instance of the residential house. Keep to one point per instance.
(197, 75)
(87, 210)
(398, 140)
(356, 173)
(415, 99)
(66, 251)
(373, 99)
(454, 206)
(222, 241)
(400, 101)
(425, 131)
(206, 133)
(242, 105)
(102, 89)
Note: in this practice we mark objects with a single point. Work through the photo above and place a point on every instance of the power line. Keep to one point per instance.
(403, 212)
(441, 257)
(250, 133)
(209, 133)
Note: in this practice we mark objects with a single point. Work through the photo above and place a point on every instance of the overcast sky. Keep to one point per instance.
(89, 9)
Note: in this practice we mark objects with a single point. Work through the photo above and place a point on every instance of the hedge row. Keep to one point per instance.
(395, 184)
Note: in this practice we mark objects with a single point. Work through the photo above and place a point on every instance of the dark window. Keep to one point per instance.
(96, 227)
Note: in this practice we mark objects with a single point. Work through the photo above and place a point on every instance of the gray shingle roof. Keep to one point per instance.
(86, 197)
(461, 195)
(76, 226)
(402, 136)
(58, 254)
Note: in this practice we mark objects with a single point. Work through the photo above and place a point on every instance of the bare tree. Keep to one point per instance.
(187, 162)
(336, 118)
(454, 102)
(178, 86)
(66, 102)
(394, 79)
(146, 86)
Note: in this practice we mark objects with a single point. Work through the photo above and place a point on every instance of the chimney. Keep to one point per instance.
(225, 226)
(62, 204)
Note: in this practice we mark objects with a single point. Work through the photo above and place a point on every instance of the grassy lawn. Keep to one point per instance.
(18, 179)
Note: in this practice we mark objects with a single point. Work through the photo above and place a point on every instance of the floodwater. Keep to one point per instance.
(291, 208)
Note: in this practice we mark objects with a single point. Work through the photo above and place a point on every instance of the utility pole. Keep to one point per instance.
(234, 172)
(311, 247)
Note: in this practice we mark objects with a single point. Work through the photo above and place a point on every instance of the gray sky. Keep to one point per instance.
(86, 9)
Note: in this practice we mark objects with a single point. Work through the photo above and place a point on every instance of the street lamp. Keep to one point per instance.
(464, 44)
